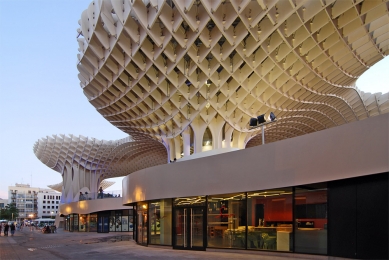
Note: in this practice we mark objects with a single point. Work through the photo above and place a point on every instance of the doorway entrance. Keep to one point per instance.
(102, 224)
(189, 228)
(142, 227)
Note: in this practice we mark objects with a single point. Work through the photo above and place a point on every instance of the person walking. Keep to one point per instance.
(1, 227)
(12, 227)
(101, 194)
(81, 197)
(6, 227)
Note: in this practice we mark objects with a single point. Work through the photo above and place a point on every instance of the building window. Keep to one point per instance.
(311, 219)
(56, 207)
(44, 196)
(270, 219)
(44, 207)
(44, 211)
(160, 213)
(57, 202)
(52, 202)
(227, 219)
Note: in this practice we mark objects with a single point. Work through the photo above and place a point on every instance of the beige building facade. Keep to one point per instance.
(193, 83)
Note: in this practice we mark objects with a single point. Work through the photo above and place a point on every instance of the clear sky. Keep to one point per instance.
(40, 91)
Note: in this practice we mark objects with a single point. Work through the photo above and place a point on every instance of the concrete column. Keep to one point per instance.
(198, 126)
(186, 141)
(228, 135)
(172, 149)
(177, 145)
(216, 127)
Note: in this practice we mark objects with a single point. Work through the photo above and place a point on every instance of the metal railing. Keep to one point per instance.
(98, 195)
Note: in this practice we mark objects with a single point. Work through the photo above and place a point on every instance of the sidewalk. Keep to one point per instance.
(28, 244)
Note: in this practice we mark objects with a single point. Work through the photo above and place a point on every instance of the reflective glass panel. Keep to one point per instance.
(270, 219)
(227, 220)
(83, 223)
(142, 220)
(311, 219)
(160, 222)
(93, 223)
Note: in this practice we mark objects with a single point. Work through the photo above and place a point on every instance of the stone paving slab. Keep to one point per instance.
(29, 245)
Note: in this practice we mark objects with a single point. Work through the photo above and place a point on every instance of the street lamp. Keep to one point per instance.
(31, 215)
(260, 121)
(52, 214)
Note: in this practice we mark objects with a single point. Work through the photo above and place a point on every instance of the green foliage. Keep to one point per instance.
(6, 213)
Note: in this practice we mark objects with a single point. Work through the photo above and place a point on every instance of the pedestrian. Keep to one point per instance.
(81, 197)
(6, 227)
(101, 194)
(12, 229)
(1, 227)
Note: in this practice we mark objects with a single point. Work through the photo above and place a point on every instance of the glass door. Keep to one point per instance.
(189, 228)
(103, 224)
(142, 227)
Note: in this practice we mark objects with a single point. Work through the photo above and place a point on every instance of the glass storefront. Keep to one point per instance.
(293, 219)
(311, 219)
(115, 221)
(83, 223)
(73, 222)
(142, 220)
(189, 218)
(108, 221)
(270, 220)
(227, 220)
(284, 219)
(93, 223)
(160, 224)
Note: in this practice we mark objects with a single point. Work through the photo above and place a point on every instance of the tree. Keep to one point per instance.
(9, 211)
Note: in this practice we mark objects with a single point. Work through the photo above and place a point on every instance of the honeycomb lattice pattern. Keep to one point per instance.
(107, 158)
(156, 66)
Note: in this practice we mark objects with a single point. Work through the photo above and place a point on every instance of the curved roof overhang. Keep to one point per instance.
(157, 66)
(110, 158)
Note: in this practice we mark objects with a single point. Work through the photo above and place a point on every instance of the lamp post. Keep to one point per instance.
(52, 214)
(260, 121)
(31, 224)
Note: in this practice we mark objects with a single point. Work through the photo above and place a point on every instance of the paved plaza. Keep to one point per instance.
(34, 244)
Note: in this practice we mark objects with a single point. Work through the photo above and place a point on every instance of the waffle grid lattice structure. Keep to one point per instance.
(157, 67)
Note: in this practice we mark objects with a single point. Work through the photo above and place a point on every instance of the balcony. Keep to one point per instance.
(104, 195)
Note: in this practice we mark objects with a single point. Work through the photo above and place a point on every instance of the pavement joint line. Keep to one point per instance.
(11, 240)
(50, 246)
